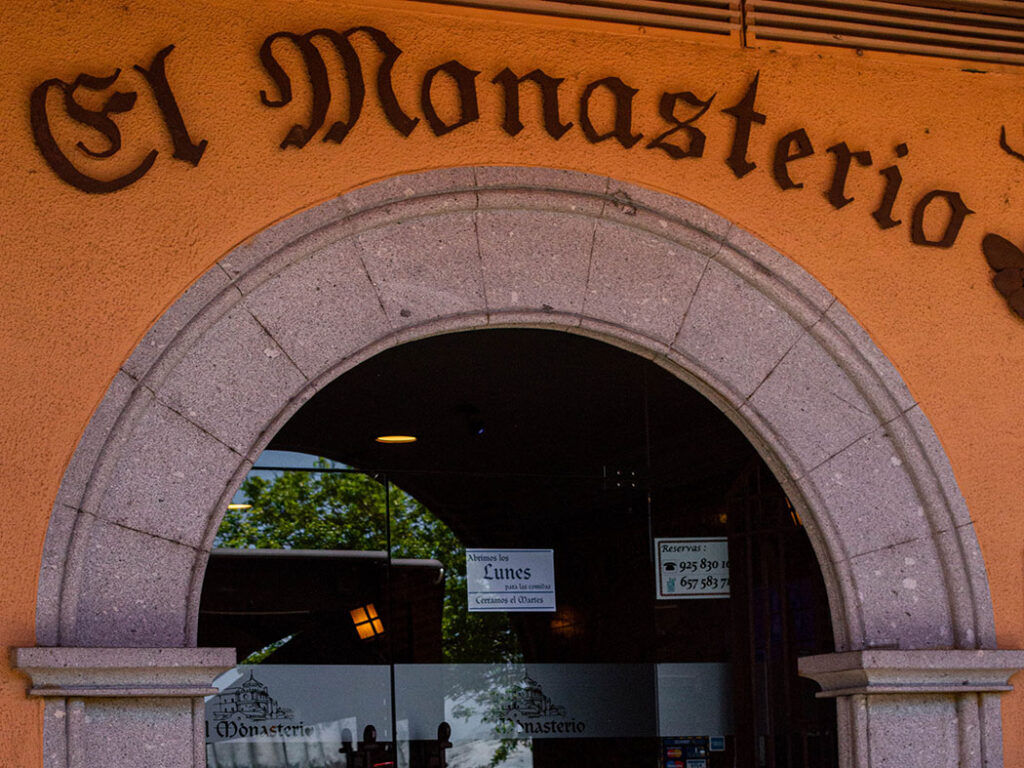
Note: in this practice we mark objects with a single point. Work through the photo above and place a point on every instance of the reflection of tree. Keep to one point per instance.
(346, 510)
(492, 701)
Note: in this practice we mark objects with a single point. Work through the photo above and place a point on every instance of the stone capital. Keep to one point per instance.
(122, 672)
(884, 671)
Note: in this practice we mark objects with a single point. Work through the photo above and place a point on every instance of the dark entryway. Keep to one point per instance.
(553, 443)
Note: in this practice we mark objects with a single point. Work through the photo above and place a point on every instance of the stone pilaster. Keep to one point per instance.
(916, 708)
(123, 706)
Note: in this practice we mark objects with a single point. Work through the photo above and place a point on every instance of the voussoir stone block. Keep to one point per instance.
(79, 471)
(734, 331)
(324, 237)
(133, 590)
(625, 209)
(222, 384)
(51, 573)
(914, 424)
(425, 267)
(641, 281)
(965, 569)
(173, 503)
(501, 178)
(870, 498)
(321, 309)
(535, 260)
(312, 228)
(857, 338)
(541, 189)
(905, 589)
(213, 282)
(816, 410)
(418, 194)
(675, 212)
(779, 277)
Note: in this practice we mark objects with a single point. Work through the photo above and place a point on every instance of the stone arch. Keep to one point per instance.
(458, 249)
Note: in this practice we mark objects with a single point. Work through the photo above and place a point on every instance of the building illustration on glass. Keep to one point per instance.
(529, 700)
(248, 698)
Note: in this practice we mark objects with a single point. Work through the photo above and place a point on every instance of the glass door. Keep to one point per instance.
(544, 650)
(301, 583)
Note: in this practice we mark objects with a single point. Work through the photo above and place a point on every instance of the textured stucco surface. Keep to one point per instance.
(85, 277)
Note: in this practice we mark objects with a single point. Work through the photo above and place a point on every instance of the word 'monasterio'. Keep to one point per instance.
(683, 138)
(603, 110)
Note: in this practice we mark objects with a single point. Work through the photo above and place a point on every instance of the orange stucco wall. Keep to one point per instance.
(84, 276)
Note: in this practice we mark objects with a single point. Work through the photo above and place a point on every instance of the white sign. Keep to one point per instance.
(692, 568)
(510, 579)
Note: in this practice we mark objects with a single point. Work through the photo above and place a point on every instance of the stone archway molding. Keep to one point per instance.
(472, 248)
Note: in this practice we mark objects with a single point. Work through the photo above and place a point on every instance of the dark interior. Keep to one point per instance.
(515, 425)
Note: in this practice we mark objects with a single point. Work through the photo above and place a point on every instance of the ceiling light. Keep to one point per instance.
(239, 506)
(396, 439)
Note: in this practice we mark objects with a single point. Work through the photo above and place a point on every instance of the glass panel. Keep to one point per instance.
(496, 712)
(553, 588)
(300, 584)
(282, 716)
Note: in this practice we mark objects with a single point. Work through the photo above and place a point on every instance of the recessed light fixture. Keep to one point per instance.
(396, 439)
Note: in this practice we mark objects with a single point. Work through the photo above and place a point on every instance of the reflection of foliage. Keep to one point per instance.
(347, 510)
(258, 657)
(504, 751)
(493, 699)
